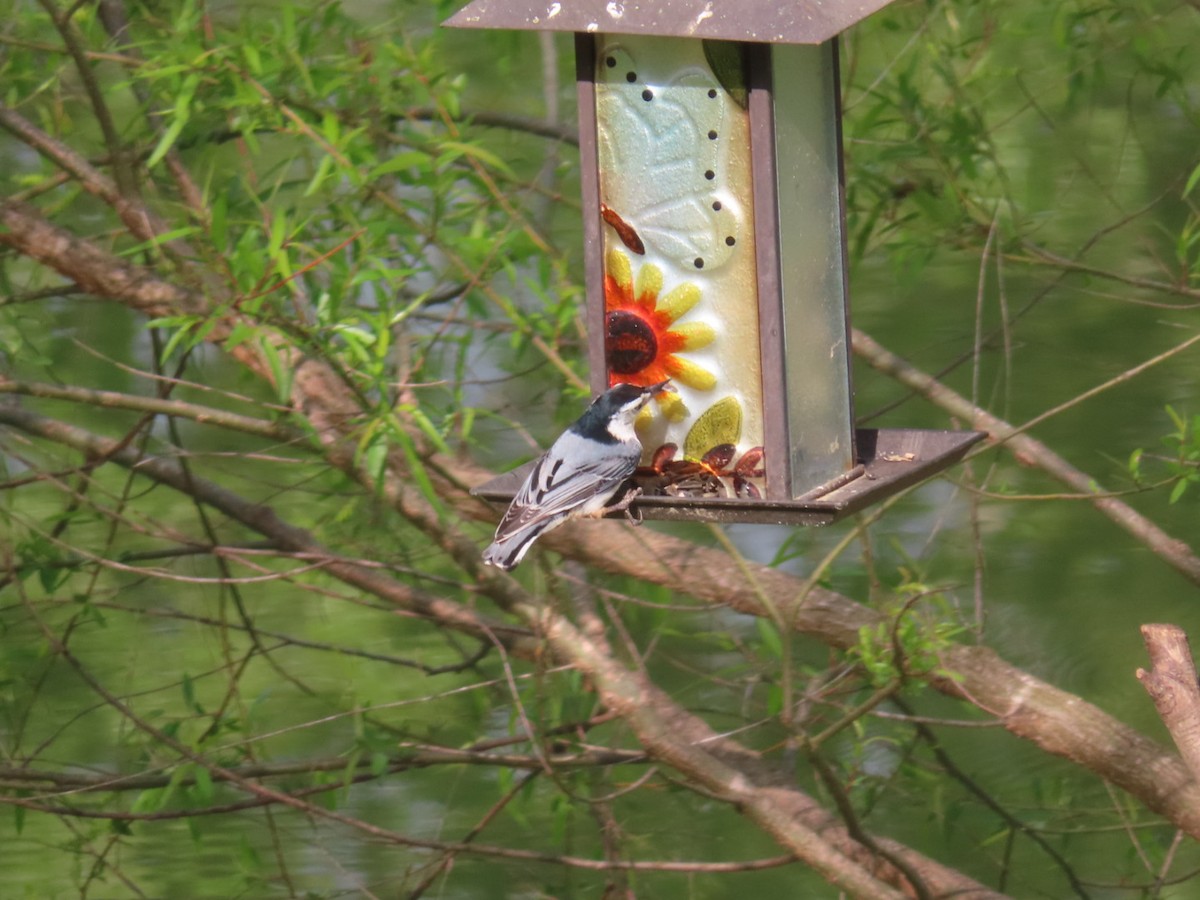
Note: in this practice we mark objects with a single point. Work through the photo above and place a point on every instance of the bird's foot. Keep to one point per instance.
(622, 505)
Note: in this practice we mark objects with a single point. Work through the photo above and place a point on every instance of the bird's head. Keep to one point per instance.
(611, 415)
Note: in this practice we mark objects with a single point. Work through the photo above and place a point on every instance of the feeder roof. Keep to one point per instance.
(762, 21)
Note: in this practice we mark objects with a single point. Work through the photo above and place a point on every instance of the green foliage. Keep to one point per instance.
(341, 205)
(1184, 445)
(938, 141)
(918, 623)
(1181, 460)
(319, 179)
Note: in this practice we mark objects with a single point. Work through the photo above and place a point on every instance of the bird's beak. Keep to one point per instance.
(653, 389)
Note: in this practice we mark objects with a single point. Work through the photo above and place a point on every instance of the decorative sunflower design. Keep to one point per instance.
(642, 337)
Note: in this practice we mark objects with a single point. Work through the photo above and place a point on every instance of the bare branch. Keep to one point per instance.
(1172, 550)
(135, 216)
(263, 519)
(93, 269)
(1172, 685)
(1065, 725)
(729, 772)
(208, 415)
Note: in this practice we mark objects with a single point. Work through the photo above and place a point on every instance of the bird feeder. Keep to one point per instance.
(714, 230)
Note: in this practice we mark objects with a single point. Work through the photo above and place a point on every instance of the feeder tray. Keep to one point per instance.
(890, 460)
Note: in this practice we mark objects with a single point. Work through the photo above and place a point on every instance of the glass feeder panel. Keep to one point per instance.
(681, 301)
(812, 277)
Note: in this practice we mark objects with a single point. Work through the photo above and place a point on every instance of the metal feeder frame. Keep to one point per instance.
(796, 158)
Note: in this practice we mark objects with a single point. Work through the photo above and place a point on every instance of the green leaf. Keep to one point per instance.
(150, 800)
(279, 234)
(427, 428)
(721, 423)
(241, 332)
(1135, 463)
(727, 59)
(375, 460)
(182, 334)
(247, 857)
(1176, 492)
(182, 112)
(410, 159)
(218, 223)
(451, 149)
(466, 424)
(774, 700)
(323, 170)
(1193, 179)
(420, 476)
(117, 826)
(1180, 421)
(50, 577)
(331, 128)
(203, 788)
(279, 374)
(253, 60)
(159, 239)
(189, 693)
(769, 635)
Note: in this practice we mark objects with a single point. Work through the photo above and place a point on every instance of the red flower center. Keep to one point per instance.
(630, 343)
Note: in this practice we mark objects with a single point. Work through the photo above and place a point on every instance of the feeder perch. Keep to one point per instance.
(714, 229)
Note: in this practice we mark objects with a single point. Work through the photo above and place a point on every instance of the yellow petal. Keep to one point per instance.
(695, 334)
(689, 373)
(672, 406)
(649, 281)
(617, 266)
(679, 301)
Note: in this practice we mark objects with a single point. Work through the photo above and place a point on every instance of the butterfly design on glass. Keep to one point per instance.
(662, 160)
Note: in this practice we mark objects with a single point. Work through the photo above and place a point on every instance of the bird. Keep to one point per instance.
(578, 476)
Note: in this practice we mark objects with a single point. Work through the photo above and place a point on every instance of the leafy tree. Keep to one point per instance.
(279, 283)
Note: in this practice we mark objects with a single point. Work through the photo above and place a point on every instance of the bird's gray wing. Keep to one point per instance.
(555, 489)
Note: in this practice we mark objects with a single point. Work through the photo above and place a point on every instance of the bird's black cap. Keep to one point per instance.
(594, 422)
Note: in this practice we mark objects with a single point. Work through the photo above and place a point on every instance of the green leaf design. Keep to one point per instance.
(721, 423)
(727, 60)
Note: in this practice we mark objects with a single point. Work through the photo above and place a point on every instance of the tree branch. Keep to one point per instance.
(737, 776)
(94, 270)
(261, 518)
(1055, 720)
(204, 415)
(1172, 550)
(136, 217)
(782, 822)
(1172, 685)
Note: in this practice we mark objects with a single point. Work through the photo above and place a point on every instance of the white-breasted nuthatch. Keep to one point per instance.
(578, 475)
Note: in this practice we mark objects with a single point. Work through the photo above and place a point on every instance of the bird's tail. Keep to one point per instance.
(509, 550)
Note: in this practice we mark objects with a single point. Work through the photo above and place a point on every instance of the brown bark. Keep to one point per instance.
(1172, 685)
(1068, 726)
(668, 733)
(1057, 721)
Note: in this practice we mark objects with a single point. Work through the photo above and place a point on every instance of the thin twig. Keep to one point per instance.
(1173, 551)
(952, 769)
